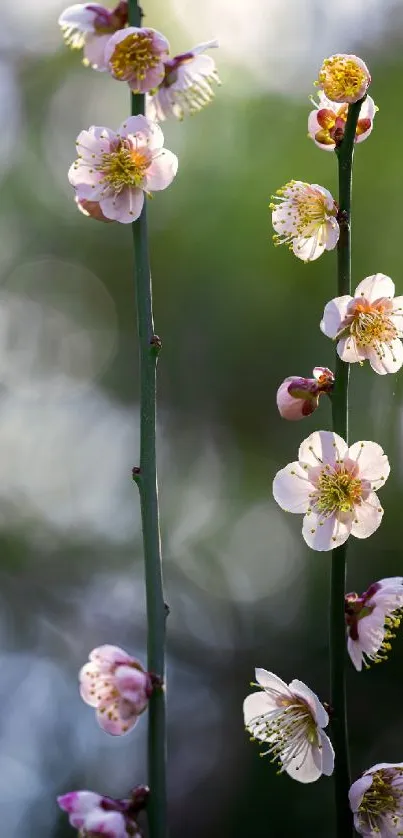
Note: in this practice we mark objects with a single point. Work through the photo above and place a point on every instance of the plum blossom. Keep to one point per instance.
(327, 122)
(89, 26)
(290, 718)
(304, 217)
(334, 487)
(95, 815)
(138, 56)
(187, 84)
(116, 685)
(299, 397)
(369, 325)
(376, 799)
(370, 620)
(114, 170)
(344, 78)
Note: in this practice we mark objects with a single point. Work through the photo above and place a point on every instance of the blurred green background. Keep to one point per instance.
(236, 316)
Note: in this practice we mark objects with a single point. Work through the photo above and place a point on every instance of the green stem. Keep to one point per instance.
(344, 818)
(146, 479)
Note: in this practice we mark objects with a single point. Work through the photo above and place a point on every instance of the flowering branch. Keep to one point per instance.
(146, 479)
(344, 151)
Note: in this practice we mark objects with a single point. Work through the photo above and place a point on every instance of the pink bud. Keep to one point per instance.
(298, 397)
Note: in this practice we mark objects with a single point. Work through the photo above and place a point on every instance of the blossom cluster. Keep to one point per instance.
(176, 86)
(114, 171)
(333, 485)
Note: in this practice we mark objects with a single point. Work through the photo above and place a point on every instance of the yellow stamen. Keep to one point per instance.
(134, 56)
(342, 78)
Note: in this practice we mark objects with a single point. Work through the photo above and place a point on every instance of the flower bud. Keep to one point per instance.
(299, 397)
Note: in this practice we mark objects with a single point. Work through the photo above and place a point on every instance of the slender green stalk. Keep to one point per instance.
(146, 478)
(344, 820)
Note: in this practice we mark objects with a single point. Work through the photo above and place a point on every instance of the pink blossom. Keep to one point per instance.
(95, 815)
(290, 718)
(304, 216)
(116, 685)
(370, 618)
(137, 56)
(368, 325)
(187, 84)
(333, 486)
(376, 799)
(116, 169)
(89, 26)
(326, 124)
(344, 78)
(299, 397)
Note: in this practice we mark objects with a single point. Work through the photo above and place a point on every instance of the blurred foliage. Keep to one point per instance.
(236, 316)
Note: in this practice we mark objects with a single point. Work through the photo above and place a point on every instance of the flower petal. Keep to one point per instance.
(268, 680)
(372, 461)
(307, 767)
(308, 249)
(291, 488)
(367, 517)
(349, 351)
(325, 533)
(322, 447)
(318, 710)
(94, 51)
(107, 656)
(112, 722)
(390, 359)
(356, 653)
(161, 171)
(327, 754)
(357, 791)
(255, 706)
(374, 287)
(148, 132)
(125, 207)
(334, 314)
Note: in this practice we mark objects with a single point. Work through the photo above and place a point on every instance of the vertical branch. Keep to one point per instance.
(146, 479)
(344, 820)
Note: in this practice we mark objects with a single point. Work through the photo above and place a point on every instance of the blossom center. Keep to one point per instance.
(382, 798)
(341, 77)
(290, 730)
(124, 166)
(134, 56)
(371, 326)
(337, 490)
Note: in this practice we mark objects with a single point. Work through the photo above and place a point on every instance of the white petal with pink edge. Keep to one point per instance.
(319, 713)
(367, 517)
(327, 754)
(357, 791)
(80, 16)
(124, 207)
(309, 249)
(144, 130)
(255, 706)
(332, 233)
(323, 534)
(161, 170)
(374, 287)
(291, 488)
(306, 767)
(334, 314)
(271, 681)
(322, 447)
(389, 359)
(113, 723)
(372, 461)
(350, 352)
